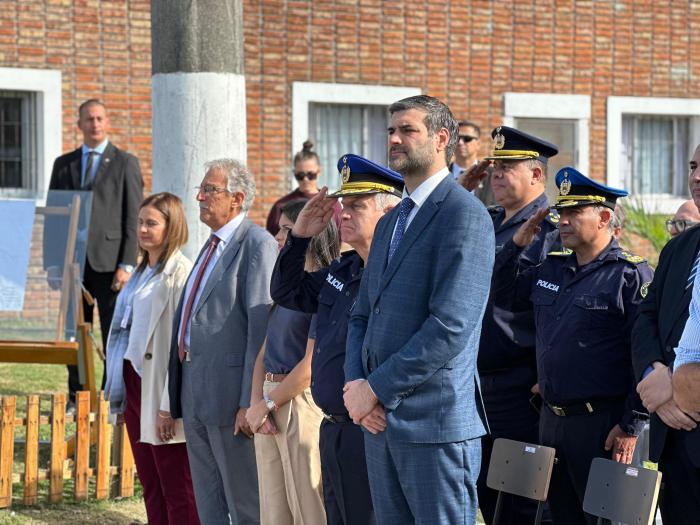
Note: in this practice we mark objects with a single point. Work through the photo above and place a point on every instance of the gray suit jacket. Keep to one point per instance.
(227, 328)
(414, 331)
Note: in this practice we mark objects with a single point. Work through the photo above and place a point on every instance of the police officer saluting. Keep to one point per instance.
(585, 300)
(368, 191)
(506, 360)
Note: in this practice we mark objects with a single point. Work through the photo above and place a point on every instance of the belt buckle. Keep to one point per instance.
(559, 411)
(328, 417)
(589, 407)
(269, 376)
(187, 356)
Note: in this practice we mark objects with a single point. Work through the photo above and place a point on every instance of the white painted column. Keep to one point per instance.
(198, 91)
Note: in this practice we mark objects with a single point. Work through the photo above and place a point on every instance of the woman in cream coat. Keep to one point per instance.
(137, 362)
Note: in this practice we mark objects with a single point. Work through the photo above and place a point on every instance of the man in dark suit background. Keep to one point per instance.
(662, 317)
(114, 178)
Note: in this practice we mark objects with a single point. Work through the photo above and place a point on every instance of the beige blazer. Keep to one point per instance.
(168, 286)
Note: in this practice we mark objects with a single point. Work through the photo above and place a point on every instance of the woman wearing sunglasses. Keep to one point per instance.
(307, 169)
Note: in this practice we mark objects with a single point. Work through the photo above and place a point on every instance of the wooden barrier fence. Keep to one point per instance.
(113, 467)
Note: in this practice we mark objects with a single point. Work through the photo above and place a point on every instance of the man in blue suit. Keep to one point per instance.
(414, 332)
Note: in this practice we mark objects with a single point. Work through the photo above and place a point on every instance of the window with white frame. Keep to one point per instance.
(30, 130)
(18, 139)
(558, 118)
(655, 154)
(650, 141)
(342, 118)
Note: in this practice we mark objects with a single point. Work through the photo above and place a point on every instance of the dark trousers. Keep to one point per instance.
(680, 490)
(510, 415)
(99, 284)
(344, 471)
(164, 470)
(577, 440)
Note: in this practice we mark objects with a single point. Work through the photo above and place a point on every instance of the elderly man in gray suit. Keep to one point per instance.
(219, 329)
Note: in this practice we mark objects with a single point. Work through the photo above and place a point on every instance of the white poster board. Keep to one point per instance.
(16, 222)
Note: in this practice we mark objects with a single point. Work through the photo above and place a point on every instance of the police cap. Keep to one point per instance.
(360, 176)
(575, 189)
(513, 144)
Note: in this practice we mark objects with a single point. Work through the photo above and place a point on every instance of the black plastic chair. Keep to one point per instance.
(621, 493)
(522, 469)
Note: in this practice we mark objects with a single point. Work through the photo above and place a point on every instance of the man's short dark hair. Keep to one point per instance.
(470, 124)
(89, 102)
(438, 116)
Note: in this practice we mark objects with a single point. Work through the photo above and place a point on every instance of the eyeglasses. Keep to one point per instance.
(311, 175)
(679, 225)
(209, 189)
(467, 138)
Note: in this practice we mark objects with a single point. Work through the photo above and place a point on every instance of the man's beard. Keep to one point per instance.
(413, 163)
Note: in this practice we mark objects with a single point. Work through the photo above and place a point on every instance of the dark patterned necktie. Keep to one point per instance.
(405, 208)
(87, 177)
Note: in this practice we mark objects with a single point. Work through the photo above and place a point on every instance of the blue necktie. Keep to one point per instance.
(404, 210)
(693, 271)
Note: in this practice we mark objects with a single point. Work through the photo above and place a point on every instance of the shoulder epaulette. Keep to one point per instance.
(494, 210)
(630, 257)
(552, 217)
(563, 253)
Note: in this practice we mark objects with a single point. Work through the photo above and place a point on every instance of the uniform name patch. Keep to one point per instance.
(335, 283)
(548, 286)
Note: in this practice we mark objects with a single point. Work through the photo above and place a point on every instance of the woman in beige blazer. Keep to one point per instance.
(137, 362)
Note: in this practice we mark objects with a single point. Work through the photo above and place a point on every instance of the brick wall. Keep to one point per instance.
(465, 52)
(103, 49)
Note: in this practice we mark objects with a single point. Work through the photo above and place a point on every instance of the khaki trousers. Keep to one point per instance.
(289, 464)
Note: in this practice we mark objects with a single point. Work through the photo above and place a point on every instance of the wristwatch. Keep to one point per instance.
(128, 268)
(270, 403)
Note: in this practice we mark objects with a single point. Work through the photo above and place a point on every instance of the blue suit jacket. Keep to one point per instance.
(414, 331)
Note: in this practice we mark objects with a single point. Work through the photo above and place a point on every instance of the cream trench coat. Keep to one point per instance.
(167, 288)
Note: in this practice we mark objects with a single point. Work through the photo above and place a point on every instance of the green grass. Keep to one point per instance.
(23, 379)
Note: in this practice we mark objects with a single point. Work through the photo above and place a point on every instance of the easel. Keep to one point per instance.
(59, 351)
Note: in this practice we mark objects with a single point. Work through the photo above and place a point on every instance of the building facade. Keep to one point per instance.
(613, 83)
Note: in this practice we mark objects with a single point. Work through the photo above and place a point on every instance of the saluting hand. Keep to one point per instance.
(622, 445)
(315, 215)
(531, 227)
(472, 177)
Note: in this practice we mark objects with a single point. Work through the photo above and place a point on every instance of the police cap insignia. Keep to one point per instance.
(499, 140)
(565, 186)
(644, 290)
(553, 216)
(345, 171)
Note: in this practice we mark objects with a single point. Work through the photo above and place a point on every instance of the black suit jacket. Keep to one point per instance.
(660, 323)
(117, 192)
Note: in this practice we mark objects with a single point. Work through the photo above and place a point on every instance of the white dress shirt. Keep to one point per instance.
(225, 234)
(85, 150)
(421, 193)
(688, 350)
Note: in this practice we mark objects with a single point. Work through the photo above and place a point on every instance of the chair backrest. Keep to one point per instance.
(621, 492)
(520, 468)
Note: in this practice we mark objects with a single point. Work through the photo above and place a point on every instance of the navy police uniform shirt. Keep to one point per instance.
(330, 293)
(583, 321)
(508, 335)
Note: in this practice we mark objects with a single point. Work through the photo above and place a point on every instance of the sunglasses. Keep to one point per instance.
(311, 175)
(467, 138)
(679, 225)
